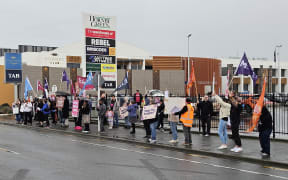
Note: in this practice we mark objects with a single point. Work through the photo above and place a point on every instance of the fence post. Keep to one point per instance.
(273, 126)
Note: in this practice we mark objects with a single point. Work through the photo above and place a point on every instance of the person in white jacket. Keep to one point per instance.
(28, 107)
(224, 114)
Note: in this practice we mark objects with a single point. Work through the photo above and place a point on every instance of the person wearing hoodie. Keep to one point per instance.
(265, 130)
(223, 115)
(46, 111)
(132, 115)
(101, 113)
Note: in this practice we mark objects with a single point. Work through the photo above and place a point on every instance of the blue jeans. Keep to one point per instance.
(18, 117)
(127, 122)
(153, 127)
(222, 131)
(173, 126)
(60, 116)
(115, 119)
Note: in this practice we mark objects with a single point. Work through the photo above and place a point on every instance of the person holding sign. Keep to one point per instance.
(132, 114)
(16, 110)
(186, 117)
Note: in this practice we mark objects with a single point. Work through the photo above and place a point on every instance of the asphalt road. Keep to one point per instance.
(27, 154)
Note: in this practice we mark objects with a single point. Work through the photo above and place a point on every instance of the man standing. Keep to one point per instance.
(138, 97)
(186, 117)
(101, 113)
(206, 110)
(235, 122)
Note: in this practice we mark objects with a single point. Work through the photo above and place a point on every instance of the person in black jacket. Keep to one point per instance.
(205, 109)
(65, 111)
(160, 111)
(235, 112)
(85, 108)
(265, 129)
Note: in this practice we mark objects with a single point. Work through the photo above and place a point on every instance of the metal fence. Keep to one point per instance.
(277, 105)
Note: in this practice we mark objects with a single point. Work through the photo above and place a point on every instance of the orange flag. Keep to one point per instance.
(258, 108)
(192, 77)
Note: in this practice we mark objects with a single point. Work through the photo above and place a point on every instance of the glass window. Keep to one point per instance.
(282, 72)
(273, 72)
(235, 87)
(273, 87)
(246, 87)
(282, 88)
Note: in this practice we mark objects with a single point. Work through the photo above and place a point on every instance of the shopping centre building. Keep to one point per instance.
(145, 71)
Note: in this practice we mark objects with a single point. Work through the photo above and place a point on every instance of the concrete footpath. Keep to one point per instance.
(200, 144)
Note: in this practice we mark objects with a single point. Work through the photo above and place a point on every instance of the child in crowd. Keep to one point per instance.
(110, 116)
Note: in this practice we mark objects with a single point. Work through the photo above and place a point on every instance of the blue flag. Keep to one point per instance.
(245, 68)
(28, 88)
(124, 84)
(89, 80)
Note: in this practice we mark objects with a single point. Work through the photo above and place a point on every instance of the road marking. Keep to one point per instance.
(179, 159)
(7, 150)
(144, 147)
(275, 168)
(196, 155)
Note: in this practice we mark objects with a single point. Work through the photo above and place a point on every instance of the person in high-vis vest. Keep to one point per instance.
(186, 117)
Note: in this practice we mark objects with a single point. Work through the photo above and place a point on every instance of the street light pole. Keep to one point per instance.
(279, 68)
(188, 71)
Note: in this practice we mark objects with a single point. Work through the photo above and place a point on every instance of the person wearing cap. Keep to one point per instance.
(223, 115)
(186, 117)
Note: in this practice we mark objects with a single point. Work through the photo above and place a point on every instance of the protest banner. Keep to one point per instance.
(59, 102)
(173, 104)
(75, 108)
(149, 112)
(123, 112)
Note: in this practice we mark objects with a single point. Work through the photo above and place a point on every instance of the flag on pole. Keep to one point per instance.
(245, 69)
(258, 108)
(65, 78)
(89, 81)
(192, 79)
(28, 88)
(39, 86)
(124, 84)
(72, 90)
(213, 83)
(46, 86)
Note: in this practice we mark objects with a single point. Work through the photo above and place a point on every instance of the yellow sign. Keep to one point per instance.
(112, 51)
(73, 59)
(108, 67)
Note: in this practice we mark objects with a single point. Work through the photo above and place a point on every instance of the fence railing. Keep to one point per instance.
(277, 104)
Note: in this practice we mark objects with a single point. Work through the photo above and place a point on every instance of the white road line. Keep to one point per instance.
(179, 159)
(7, 150)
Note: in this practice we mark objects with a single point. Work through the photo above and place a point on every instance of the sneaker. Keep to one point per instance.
(265, 154)
(186, 144)
(173, 141)
(85, 131)
(223, 146)
(233, 149)
(162, 130)
(238, 149)
(152, 141)
(110, 128)
(206, 135)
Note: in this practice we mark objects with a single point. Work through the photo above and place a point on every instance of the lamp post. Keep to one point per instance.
(279, 68)
(188, 71)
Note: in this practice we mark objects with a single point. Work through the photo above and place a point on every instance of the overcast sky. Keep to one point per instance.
(220, 28)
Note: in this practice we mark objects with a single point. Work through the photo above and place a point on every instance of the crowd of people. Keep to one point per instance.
(109, 112)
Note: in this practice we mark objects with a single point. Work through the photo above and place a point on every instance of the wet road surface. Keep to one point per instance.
(27, 154)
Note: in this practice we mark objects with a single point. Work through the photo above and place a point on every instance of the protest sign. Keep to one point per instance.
(173, 104)
(60, 102)
(75, 108)
(149, 112)
(123, 112)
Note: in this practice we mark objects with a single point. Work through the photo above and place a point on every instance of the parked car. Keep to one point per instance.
(155, 93)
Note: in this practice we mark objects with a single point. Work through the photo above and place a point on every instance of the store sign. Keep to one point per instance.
(13, 61)
(73, 59)
(100, 59)
(100, 47)
(97, 42)
(108, 68)
(93, 67)
(13, 76)
(97, 33)
(13, 68)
